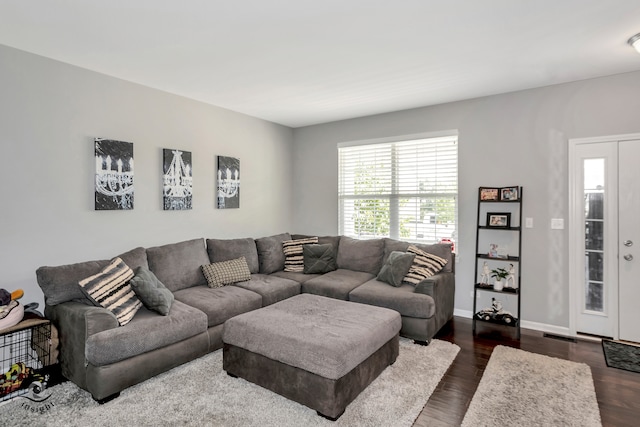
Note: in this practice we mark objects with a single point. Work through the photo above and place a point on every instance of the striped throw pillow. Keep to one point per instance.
(424, 265)
(223, 273)
(110, 289)
(293, 256)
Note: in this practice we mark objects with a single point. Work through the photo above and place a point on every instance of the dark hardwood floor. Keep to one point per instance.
(617, 391)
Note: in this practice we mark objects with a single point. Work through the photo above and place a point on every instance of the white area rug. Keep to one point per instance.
(519, 388)
(200, 393)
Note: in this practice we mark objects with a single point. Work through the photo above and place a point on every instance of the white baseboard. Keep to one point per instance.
(462, 313)
(542, 327)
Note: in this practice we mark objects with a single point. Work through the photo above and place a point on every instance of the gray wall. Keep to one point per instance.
(49, 114)
(518, 138)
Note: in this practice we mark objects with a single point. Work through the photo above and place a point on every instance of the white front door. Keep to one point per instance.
(604, 236)
(629, 239)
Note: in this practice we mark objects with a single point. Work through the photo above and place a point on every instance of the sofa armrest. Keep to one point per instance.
(76, 322)
(435, 284)
(441, 288)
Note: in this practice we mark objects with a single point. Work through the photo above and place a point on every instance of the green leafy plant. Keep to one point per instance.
(499, 273)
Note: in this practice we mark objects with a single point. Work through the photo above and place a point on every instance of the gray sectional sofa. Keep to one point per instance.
(104, 358)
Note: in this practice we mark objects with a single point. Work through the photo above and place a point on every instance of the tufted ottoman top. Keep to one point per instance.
(325, 336)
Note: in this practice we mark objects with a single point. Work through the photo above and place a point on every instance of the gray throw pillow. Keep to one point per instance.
(396, 267)
(270, 253)
(319, 259)
(153, 294)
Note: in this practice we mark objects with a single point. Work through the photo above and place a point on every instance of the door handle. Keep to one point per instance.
(628, 257)
(628, 243)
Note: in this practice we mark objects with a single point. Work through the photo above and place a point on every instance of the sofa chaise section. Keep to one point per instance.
(103, 357)
(424, 307)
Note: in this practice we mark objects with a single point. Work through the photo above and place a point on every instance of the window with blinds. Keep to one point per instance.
(405, 190)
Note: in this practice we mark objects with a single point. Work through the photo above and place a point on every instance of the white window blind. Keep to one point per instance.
(404, 190)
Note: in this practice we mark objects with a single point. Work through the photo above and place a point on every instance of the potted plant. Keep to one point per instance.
(499, 274)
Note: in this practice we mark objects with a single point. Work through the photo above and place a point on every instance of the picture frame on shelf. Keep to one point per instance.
(493, 251)
(498, 251)
(499, 219)
(509, 194)
(489, 194)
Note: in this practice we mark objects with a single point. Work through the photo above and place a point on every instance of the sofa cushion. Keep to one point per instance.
(297, 277)
(153, 294)
(336, 284)
(396, 267)
(402, 299)
(424, 265)
(319, 258)
(224, 250)
(110, 289)
(322, 240)
(293, 256)
(442, 250)
(219, 304)
(223, 273)
(146, 332)
(177, 265)
(60, 284)
(271, 288)
(135, 258)
(270, 253)
(360, 255)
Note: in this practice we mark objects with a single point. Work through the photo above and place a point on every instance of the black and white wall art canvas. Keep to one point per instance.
(114, 175)
(177, 180)
(228, 182)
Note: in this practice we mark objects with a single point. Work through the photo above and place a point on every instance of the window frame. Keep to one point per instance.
(394, 195)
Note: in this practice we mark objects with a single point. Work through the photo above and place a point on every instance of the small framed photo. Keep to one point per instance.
(489, 194)
(509, 194)
(499, 219)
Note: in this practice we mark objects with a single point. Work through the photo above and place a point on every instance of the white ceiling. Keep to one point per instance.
(303, 62)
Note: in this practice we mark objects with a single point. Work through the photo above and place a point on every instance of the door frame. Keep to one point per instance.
(575, 286)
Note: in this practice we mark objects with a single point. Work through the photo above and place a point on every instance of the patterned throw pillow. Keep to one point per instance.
(153, 294)
(424, 265)
(110, 289)
(293, 256)
(223, 273)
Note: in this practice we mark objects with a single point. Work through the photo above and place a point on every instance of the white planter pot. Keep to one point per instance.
(498, 285)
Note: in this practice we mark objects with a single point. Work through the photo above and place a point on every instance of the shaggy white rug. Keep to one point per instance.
(200, 393)
(519, 388)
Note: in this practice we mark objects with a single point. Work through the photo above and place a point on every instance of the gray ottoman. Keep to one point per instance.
(317, 351)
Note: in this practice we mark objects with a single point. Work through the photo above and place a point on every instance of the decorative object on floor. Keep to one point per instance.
(188, 397)
(177, 180)
(622, 355)
(228, 182)
(114, 175)
(526, 389)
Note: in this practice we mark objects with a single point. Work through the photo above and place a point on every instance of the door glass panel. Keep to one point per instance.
(594, 197)
(594, 296)
(594, 262)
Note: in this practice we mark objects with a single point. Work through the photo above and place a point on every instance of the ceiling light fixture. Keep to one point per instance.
(635, 42)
